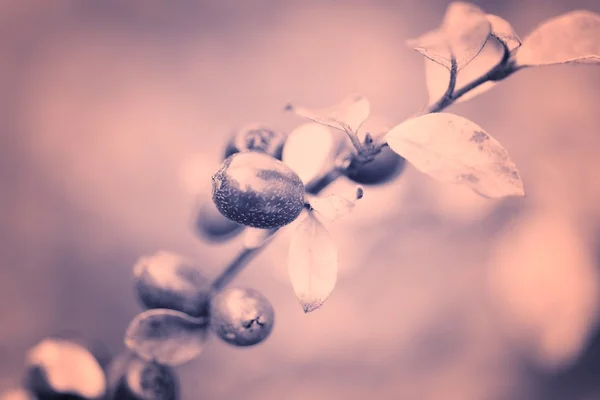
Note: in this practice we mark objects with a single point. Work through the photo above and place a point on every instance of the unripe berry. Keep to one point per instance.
(258, 138)
(241, 317)
(132, 378)
(257, 190)
(62, 369)
(167, 280)
(386, 166)
(213, 226)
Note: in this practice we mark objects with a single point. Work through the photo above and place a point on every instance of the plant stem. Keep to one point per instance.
(500, 71)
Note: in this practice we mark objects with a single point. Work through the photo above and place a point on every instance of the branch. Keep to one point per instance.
(500, 71)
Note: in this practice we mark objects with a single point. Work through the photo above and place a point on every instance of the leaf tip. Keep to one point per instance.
(312, 306)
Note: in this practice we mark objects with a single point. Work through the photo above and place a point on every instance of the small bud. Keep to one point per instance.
(256, 137)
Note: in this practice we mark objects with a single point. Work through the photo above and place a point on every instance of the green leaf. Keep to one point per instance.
(455, 150)
(347, 115)
(166, 336)
(573, 37)
(312, 263)
(337, 205)
(462, 34)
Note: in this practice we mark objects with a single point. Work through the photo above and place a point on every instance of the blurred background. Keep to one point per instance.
(115, 114)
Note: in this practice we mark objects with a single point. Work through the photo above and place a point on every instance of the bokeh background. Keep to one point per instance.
(114, 114)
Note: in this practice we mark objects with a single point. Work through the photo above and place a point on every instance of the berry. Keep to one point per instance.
(167, 280)
(257, 190)
(62, 369)
(386, 166)
(241, 317)
(132, 378)
(213, 226)
(256, 137)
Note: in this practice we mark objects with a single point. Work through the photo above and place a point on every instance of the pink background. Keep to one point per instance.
(114, 115)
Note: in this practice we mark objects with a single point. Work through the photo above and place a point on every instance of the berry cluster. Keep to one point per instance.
(268, 180)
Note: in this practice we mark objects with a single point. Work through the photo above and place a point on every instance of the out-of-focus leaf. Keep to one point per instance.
(166, 336)
(347, 115)
(312, 263)
(67, 368)
(338, 205)
(453, 149)
(463, 33)
(503, 31)
(310, 149)
(573, 37)
(437, 76)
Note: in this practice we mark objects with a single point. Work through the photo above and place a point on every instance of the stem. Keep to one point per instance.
(500, 71)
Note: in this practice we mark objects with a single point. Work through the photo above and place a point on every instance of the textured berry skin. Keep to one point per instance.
(132, 378)
(256, 138)
(213, 226)
(386, 166)
(166, 280)
(256, 190)
(241, 317)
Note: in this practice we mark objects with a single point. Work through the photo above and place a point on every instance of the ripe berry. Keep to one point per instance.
(386, 166)
(61, 369)
(213, 226)
(257, 190)
(256, 137)
(132, 378)
(167, 280)
(241, 317)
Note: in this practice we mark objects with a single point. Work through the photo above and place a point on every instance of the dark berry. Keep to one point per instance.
(256, 190)
(168, 280)
(58, 369)
(132, 378)
(258, 138)
(386, 166)
(213, 226)
(241, 317)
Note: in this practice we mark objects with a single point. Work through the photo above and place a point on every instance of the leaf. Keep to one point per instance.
(310, 149)
(573, 37)
(437, 76)
(453, 149)
(503, 31)
(463, 33)
(166, 336)
(312, 263)
(336, 206)
(348, 115)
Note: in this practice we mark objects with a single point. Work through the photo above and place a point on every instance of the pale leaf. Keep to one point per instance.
(338, 205)
(166, 336)
(437, 77)
(462, 34)
(503, 31)
(309, 149)
(573, 37)
(347, 115)
(453, 149)
(312, 263)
